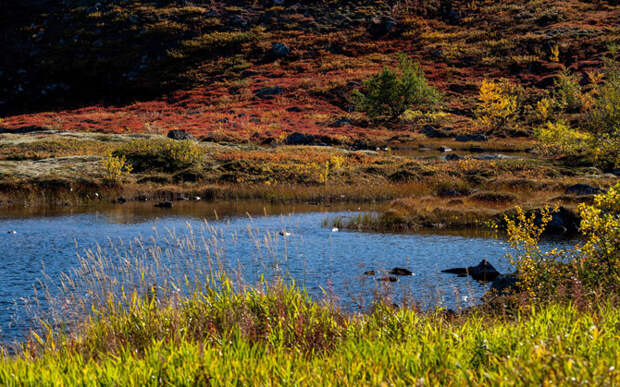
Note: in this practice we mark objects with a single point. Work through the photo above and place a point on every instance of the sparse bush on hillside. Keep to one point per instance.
(216, 41)
(604, 117)
(390, 93)
(568, 94)
(498, 103)
(161, 155)
(545, 109)
(559, 138)
(601, 119)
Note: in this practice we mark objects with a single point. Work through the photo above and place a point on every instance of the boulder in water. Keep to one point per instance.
(400, 271)
(484, 271)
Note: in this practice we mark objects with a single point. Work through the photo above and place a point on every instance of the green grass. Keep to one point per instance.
(278, 335)
(176, 315)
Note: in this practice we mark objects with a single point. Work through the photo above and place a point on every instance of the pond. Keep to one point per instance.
(245, 239)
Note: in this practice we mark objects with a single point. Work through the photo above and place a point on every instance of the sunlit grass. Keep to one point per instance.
(277, 335)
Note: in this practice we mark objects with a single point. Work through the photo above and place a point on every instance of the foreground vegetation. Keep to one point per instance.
(278, 336)
(558, 326)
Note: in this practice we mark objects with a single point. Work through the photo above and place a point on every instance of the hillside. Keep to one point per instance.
(140, 66)
(245, 77)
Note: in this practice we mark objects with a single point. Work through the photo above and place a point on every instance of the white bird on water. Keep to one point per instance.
(335, 229)
(285, 233)
(12, 232)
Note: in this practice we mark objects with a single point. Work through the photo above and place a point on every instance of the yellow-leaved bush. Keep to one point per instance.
(497, 103)
(590, 267)
(539, 272)
(116, 167)
(598, 261)
(559, 138)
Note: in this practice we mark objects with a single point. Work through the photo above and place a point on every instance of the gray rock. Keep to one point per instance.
(280, 50)
(432, 132)
(483, 271)
(238, 21)
(400, 271)
(381, 26)
(299, 139)
(340, 122)
(269, 92)
(563, 221)
(505, 284)
(179, 134)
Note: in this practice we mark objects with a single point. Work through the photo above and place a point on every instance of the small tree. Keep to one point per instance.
(389, 93)
(498, 103)
(568, 93)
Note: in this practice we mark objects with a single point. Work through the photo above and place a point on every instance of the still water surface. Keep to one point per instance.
(249, 242)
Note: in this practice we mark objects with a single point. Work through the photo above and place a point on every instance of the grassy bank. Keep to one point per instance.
(76, 168)
(278, 336)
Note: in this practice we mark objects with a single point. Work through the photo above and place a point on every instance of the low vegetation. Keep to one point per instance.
(284, 338)
(160, 155)
(206, 329)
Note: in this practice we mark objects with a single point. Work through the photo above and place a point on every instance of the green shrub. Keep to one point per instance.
(568, 94)
(604, 118)
(389, 93)
(160, 155)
